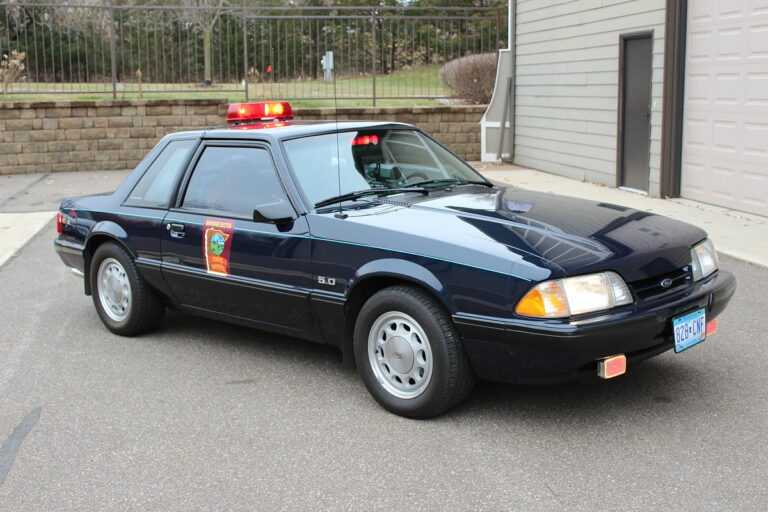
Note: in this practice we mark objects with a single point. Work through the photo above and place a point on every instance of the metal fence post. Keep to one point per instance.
(373, 54)
(245, 53)
(498, 35)
(112, 52)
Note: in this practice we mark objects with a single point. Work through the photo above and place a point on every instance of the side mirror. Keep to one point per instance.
(278, 212)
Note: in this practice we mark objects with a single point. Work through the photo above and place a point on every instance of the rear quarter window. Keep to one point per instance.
(154, 188)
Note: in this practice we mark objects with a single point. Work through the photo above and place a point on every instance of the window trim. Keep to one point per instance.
(176, 205)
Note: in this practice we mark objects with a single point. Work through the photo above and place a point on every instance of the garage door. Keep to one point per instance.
(725, 151)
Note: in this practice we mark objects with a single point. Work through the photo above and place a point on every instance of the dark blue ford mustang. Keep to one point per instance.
(374, 238)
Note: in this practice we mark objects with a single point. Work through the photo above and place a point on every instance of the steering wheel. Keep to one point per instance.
(414, 178)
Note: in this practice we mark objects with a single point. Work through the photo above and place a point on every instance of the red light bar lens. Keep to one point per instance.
(365, 140)
(263, 111)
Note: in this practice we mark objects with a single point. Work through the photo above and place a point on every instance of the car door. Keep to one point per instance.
(145, 206)
(218, 259)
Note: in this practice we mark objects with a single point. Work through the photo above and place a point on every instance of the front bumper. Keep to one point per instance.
(553, 351)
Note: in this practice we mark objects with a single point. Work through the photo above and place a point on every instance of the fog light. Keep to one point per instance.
(611, 367)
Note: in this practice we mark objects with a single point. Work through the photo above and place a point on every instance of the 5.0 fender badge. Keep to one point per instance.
(330, 281)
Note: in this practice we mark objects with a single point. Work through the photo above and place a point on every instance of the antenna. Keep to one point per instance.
(340, 214)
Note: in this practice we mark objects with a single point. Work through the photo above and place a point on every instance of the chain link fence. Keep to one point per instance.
(317, 53)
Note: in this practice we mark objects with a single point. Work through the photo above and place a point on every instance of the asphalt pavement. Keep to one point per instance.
(202, 415)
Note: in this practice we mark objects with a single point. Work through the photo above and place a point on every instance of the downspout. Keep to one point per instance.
(674, 97)
(512, 45)
(500, 112)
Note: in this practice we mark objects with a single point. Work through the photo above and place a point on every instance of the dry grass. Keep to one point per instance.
(419, 86)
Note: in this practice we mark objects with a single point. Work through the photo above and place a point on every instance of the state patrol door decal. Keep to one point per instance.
(217, 241)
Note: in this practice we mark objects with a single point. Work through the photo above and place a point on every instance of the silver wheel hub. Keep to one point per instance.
(114, 289)
(400, 355)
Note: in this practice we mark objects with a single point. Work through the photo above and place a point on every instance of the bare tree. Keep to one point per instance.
(11, 68)
(204, 14)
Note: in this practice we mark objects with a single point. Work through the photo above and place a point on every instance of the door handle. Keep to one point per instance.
(176, 230)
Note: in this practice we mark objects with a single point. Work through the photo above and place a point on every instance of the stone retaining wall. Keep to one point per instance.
(106, 134)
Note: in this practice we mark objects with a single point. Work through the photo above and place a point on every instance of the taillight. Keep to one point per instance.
(59, 223)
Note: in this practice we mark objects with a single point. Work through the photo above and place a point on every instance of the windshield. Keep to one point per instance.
(371, 159)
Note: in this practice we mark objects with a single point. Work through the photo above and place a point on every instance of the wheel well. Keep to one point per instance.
(94, 242)
(359, 296)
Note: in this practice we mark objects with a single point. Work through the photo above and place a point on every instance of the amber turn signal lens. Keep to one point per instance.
(545, 300)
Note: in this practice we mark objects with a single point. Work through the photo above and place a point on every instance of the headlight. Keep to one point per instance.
(575, 295)
(703, 259)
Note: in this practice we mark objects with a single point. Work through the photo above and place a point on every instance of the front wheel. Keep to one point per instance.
(123, 300)
(409, 353)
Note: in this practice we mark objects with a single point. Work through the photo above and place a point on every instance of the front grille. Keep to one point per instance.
(651, 287)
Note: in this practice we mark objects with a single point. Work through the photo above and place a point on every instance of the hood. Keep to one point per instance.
(568, 235)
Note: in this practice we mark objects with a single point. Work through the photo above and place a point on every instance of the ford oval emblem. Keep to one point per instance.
(666, 283)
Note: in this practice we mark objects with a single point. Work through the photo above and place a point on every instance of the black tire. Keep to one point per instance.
(451, 374)
(145, 310)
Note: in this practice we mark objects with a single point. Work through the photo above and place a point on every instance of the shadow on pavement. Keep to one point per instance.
(659, 383)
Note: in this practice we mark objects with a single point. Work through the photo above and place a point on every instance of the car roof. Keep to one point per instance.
(286, 129)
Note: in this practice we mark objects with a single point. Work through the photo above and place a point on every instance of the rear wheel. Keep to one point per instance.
(409, 353)
(123, 300)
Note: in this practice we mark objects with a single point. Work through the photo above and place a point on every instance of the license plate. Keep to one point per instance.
(689, 329)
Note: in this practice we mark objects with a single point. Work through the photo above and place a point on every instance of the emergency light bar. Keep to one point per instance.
(263, 111)
(365, 140)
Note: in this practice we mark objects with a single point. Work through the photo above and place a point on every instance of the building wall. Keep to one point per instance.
(567, 84)
(106, 135)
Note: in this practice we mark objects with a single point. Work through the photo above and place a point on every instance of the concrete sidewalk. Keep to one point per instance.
(16, 229)
(737, 234)
(28, 202)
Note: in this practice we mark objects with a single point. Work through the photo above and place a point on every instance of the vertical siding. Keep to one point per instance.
(567, 84)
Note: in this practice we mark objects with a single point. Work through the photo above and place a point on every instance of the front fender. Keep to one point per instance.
(406, 271)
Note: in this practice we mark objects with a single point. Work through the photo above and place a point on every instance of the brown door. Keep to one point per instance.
(635, 115)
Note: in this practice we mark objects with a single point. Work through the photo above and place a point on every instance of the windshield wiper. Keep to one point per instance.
(451, 181)
(369, 192)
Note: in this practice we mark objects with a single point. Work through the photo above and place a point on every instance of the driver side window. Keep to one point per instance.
(233, 181)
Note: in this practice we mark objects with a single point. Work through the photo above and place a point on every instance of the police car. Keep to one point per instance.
(375, 238)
